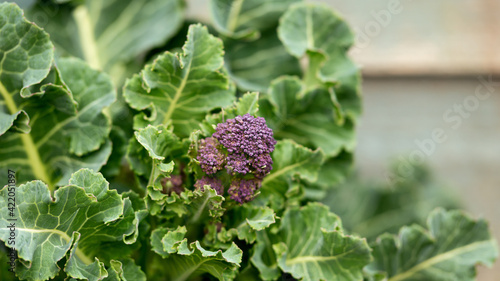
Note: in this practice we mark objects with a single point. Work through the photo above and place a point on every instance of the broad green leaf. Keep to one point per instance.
(109, 35)
(308, 120)
(248, 103)
(68, 129)
(317, 32)
(449, 250)
(246, 18)
(27, 55)
(290, 161)
(253, 65)
(179, 89)
(81, 218)
(193, 260)
(313, 27)
(313, 247)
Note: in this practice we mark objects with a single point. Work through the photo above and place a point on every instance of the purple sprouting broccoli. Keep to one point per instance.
(214, 183)
(210, 157)
(243, 146)
(249, 143)
(243, 191)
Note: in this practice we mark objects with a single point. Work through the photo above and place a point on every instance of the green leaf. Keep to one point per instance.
(109, 36)
(194, 260)
(290, 160)
(23, 44)
(313, 246)
(253, 65)
(180, 89)
(264, 258)
(240, 18)
(449, 250)
(68, 129)
(205, 204)
(308, 120)
(125, 270)
(248, 103)
(244, 222)
(313, 27)
(84, 216)
(197, 205)
(164, 241)
(152, 152)
(332, 173)
(318, 32)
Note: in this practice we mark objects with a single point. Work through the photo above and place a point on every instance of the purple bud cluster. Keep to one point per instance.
(213, 182)
(249, 143)
(243, 145)
(210, 157)
(243, 191)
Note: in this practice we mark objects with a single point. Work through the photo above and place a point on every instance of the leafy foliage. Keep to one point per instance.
(450, 248)
(109, 91)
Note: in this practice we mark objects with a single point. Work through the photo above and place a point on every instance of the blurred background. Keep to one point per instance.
(431, 90)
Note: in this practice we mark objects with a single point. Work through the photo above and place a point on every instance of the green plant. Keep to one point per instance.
(191, 185)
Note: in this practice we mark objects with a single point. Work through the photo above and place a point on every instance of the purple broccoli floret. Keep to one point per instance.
(246, 134)
(210, 157)
(243, 191)
(214, 183)
(243, 145)
(237, 163)
(249, 143)
(262, 165)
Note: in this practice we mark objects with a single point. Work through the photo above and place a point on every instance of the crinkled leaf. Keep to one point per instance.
(243, 222)
(248, 103)
(253, 65)
(313, 247)
(164, 241)
(110, 35)
(308, 120)
(83, 216)
(180, 88)
(193, 260)
(68, 129)
(205, 204)
(152, 152)
(197, 205)
(240, 18)
(449, 250)
(125, 270)
(290, 160)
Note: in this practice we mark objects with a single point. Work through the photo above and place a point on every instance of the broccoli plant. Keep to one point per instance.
(137, 145)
